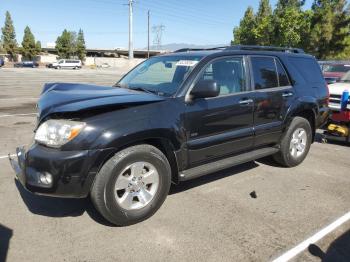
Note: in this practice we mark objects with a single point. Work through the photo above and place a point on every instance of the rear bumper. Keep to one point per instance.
(57, 173)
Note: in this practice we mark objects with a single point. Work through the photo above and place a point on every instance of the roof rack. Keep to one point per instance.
(200, 49)
(266, 48)
(246, 47)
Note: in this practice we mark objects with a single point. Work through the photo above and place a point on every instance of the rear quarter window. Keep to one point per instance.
(308, 68)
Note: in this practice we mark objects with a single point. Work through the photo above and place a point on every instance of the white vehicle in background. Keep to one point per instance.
(104, 65)
(67, 63)
(339, 103)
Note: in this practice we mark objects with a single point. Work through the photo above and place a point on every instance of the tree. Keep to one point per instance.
(1, 46)
(287, 20)
(290, 3)
(65, 44)
(330, 28)
(80, 45)
(38, 47)
(323, 31)
(264, 28)
(9, 37)
(29, 49)
(245, 33)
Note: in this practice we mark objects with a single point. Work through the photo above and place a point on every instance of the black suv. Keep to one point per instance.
(172, 118)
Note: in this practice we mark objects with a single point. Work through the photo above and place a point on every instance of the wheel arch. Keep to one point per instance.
(164, 144)
(306, 109)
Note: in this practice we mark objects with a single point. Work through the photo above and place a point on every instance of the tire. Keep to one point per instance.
(110, 200)
(292, 153)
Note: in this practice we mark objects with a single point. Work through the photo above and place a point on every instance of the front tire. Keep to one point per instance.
(132, 185)
(295, 144)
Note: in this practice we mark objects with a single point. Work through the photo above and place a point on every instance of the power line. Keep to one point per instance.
(182, 18)
(181, 13)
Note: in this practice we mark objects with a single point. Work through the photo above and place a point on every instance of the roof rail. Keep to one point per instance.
(266, 48)
(246, 47)
(200, 49)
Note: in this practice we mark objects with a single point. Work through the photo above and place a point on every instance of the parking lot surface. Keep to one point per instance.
(213, 218)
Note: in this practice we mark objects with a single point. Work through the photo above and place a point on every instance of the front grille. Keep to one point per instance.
(334, 102)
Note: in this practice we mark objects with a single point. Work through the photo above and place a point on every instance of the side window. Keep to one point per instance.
(308, 68)
(282, 75)
(229, 73)
(264, 72)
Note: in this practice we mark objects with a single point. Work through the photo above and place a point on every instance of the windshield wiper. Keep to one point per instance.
(119, 85)
(144, 90)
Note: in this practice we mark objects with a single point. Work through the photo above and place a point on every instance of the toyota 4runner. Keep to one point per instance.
(172, 118)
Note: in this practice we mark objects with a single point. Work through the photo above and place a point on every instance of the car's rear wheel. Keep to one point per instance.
(295, 144)
(132, 185)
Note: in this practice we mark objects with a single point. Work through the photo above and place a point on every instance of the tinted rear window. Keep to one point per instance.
(308, 68)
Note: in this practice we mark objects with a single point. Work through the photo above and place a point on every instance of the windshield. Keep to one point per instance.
(336, 68)
(346, 77)
(162, 75)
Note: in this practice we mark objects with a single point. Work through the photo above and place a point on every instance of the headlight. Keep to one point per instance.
(55, 133)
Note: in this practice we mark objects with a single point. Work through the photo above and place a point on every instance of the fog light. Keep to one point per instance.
(45, 178)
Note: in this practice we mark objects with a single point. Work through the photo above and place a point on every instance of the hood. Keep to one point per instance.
(338, 88)
(65, 97)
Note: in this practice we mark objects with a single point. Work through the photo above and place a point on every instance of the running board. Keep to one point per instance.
(226, 163)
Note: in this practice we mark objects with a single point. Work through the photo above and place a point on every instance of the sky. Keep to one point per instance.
(105, 22)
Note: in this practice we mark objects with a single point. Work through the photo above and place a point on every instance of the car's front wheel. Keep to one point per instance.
(295, 144)
(132, 185)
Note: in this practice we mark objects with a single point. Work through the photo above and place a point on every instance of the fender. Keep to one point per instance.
(159, 133)
(300, 105)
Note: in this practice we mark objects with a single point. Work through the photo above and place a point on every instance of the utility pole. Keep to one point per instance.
(148, 17)
(131, 48)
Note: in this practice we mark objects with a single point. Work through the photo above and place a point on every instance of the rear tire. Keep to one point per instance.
(124, 192)
(295, 144)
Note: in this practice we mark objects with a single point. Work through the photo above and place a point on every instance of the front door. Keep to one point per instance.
(222, 125)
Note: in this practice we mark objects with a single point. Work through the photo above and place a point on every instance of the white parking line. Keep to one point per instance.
(29, 114)
(319, 235)
(4, 157)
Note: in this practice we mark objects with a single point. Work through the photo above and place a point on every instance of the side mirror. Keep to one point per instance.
(205, 88)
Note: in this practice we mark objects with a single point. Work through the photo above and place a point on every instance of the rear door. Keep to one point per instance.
(221, 125)
(273, 96)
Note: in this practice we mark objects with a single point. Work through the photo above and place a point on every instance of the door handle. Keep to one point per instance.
(246, 101)
(288, 94)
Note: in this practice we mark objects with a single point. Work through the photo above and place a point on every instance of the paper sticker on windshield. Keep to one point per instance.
(186, 63)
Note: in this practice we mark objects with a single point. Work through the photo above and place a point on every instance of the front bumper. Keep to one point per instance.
(71, 172)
